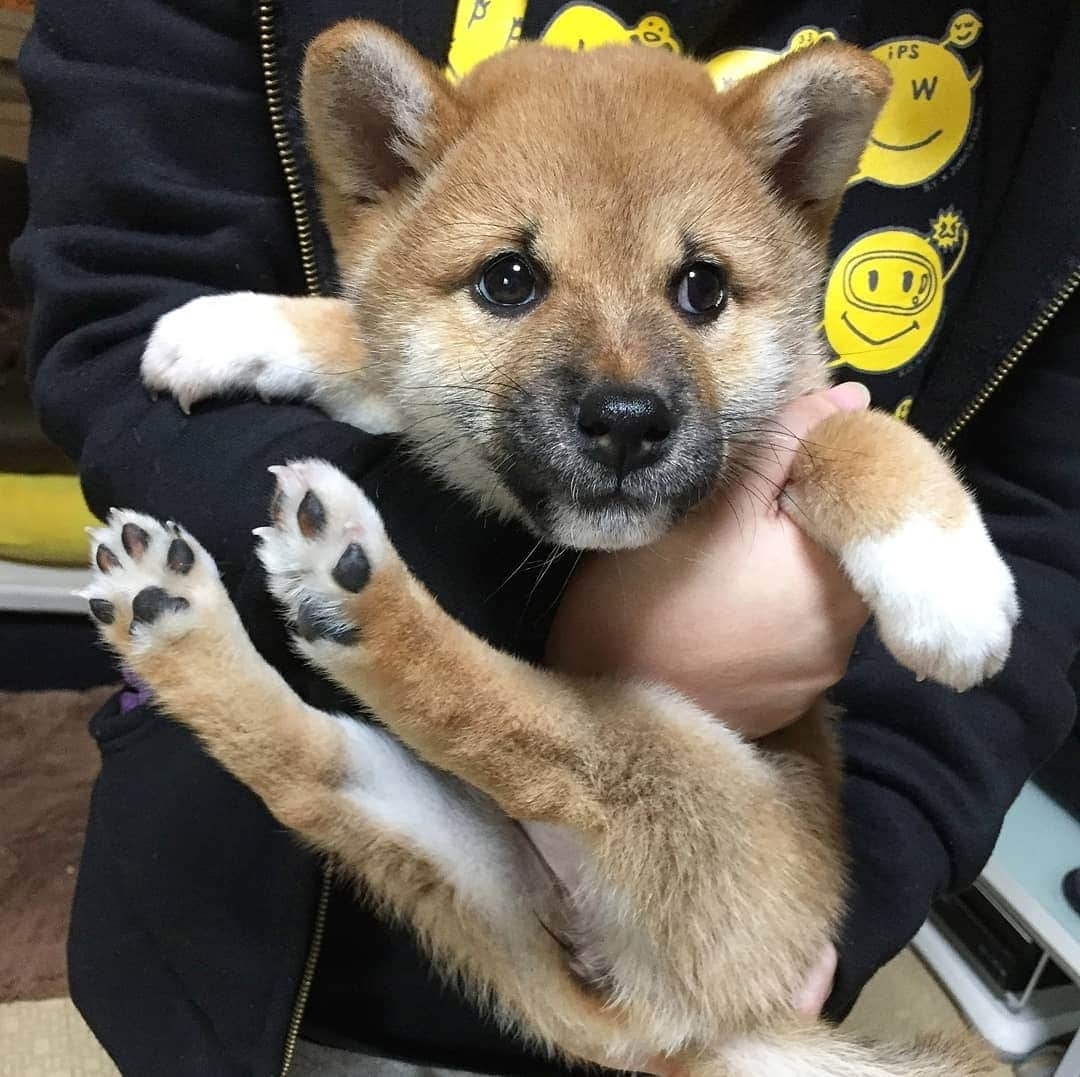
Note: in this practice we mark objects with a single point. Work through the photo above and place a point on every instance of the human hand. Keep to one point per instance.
(735, 607)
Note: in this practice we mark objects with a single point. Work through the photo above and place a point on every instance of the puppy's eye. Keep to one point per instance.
(701, 290)
(508, 284)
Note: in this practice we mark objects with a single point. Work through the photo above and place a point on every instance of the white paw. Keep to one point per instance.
(944, 600)
(151, 582)
(326, 543)
(223, 344)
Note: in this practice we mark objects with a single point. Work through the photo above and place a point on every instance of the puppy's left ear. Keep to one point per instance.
(805, 122)
(377, 114)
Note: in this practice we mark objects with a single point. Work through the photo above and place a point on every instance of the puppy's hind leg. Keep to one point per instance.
(430, 851)
(162, 608)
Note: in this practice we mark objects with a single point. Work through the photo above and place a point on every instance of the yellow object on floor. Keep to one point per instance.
(42, 519)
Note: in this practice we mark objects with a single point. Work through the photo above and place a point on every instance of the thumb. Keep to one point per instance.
(782, 439)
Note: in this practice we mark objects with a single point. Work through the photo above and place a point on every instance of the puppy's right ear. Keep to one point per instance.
(377, 113)
(805, 122)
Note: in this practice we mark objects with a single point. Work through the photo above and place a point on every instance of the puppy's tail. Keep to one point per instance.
(821, 1051)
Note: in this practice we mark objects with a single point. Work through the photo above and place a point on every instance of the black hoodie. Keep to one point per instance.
(166, 162)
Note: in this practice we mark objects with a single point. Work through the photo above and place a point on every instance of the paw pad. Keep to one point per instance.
(105, 559)
(151, 602)
(311, 516)
(353, 570)
(135, 540)
(315, 621)
(103, 610)
(181, 557)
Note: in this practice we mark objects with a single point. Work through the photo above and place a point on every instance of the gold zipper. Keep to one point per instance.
(275, 103)
(309, 974)
(1016, 353)
(281, 139)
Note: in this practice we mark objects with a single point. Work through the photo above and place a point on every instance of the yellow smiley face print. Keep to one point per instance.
(964, 28)
(927, 116)
(728, 67)
(885, 293)
(581, 26)
(481, 29)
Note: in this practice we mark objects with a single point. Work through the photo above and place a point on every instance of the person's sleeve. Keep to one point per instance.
(929, 773)
(154, 179)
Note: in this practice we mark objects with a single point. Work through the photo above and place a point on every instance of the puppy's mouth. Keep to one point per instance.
(577, 508)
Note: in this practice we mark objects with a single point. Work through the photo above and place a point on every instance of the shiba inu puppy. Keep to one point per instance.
(602, 280)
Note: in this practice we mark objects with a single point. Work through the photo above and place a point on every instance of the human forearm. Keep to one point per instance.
(134, 211)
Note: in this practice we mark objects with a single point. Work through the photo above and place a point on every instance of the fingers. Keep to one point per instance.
(848, 396)
(784, 437)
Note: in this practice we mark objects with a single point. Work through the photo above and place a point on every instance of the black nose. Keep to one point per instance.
(624, 427)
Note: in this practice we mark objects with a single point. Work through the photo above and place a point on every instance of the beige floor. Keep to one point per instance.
(904, 1000)
(49, 1039)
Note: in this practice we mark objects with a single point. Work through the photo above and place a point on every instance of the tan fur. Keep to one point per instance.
(329, 332)
(582, 754)
(335, 112)
(862, 474)
(711, 870)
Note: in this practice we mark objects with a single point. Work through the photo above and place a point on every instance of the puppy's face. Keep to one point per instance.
(587, 282)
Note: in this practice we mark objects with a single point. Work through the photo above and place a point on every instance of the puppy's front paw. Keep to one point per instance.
(152, 584)
(223, 344)
(326, 544)
(944, 601)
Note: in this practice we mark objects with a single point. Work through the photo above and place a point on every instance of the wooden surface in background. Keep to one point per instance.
(47, 765)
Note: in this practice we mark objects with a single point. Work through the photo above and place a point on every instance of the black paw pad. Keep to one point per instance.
(105, 559)
(313, 622)
(136, 541)
(353, 569)
(311, 516)
(180, 557)
(151, 602)
(103, 610)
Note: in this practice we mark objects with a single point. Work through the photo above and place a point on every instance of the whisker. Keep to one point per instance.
(566, 582)
(556, 553)
(524, 561)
